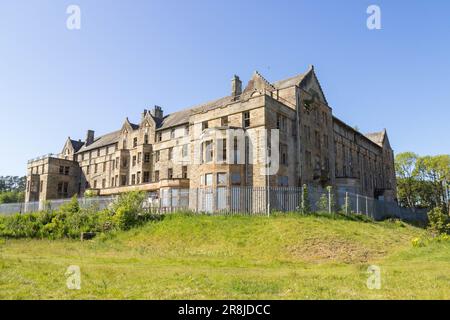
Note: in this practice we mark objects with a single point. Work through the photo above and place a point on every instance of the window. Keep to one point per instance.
(237, 151)
(138, 177)
(224, 121)
(186, 130)
(66, 171)
(112, 182)
(307, 133)
(246, 119)
(133, 179)
(146, 139)
(103, 183)
(172, 134)
(169, 173)
(283, 154)
(117, 181)
(98, 152)
(224, 150)
(134, 161)
(147, 157)
(156, 176)
(184, 152)
(221, 178)
(208, 179)
(317, 139)
(88, 169)
(95, 184)
(283, 181)
(208, 151)
(124, 144)
(308, 159)
(41, 186)
(95, 168)
(325, 141)
(123, 180)
(204, 125)
(236, 179)
(146, 177)
(61, 170)
(158, 137)
(135, 142)
(170, 156)
(117, 163)
(184, 172)
(157, 156)
(124, 162)
(104, 166)
(281, 122)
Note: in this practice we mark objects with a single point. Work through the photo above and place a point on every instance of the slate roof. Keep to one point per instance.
(76, 144)
(181, 117)
(102, 141)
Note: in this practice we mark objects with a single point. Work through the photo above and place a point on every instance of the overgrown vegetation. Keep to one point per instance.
(286, 256)
(70, 220)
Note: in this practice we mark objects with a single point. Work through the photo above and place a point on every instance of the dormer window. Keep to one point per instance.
(135, 142)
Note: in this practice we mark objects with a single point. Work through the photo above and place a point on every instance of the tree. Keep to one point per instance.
(423, 181)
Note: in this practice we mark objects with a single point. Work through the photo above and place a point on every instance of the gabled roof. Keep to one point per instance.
(377, 137)
(76, 145)
(182, 117)
(293, 81)
(102, 141)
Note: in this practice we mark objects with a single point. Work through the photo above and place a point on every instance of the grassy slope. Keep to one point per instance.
(183, 257)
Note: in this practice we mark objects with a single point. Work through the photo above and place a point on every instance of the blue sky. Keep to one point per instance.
(131, 55)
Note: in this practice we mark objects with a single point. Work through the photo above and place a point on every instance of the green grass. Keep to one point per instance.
(203, 257)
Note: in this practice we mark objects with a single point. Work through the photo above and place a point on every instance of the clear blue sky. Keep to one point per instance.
(131, 55)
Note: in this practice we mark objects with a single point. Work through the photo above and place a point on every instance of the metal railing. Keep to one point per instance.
(247, 200)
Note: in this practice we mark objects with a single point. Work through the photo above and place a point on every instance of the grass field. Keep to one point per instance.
(183, 257)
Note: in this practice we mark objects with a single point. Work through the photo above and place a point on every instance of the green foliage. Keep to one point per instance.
(423, 182)
(305, 205)
(438, 222)
(128, 210)
(322, 204)
(12, 197)
(70, 220)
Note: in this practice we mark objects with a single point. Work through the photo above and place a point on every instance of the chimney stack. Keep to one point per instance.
(90, 137)
(157, 112)
(236, 86)
(144, 114)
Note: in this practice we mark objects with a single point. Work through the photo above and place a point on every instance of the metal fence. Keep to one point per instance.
(247, 200)
(29, 207)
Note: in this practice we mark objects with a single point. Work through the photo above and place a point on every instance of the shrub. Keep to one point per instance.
(128, 210)
(438, 221)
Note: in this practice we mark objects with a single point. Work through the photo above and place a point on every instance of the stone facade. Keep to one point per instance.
(194, 148)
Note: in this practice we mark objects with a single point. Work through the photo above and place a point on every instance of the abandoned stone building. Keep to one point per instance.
(158, 153)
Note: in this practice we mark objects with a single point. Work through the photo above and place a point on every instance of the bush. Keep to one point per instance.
(12, 197)
(128, 210)
(70, 220)
(438, 222)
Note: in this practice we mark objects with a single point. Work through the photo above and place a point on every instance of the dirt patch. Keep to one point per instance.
(321, 250)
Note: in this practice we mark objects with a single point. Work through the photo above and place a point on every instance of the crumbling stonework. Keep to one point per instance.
(196, 148)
